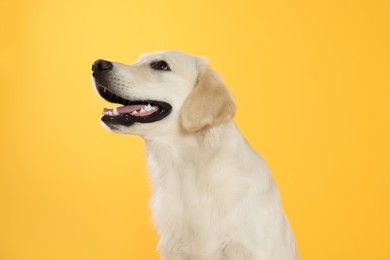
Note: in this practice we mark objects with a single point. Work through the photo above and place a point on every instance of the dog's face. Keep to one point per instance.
(162, 93)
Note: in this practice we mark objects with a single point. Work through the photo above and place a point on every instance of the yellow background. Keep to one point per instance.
(311, 80)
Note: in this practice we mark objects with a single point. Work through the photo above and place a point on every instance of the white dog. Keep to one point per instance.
(213, 196)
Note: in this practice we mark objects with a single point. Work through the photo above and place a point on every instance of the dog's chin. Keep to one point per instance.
(118, 129)
(136, 129)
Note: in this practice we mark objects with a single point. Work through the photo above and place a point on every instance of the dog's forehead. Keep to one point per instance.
(169, 56)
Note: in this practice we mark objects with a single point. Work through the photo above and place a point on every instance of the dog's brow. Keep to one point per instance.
(150, 57)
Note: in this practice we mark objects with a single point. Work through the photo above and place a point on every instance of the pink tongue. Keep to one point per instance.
(126, 109)
(129, 109)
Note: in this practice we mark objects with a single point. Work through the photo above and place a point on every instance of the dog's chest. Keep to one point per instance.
(186, 216)
(191, 198)
(184, 194)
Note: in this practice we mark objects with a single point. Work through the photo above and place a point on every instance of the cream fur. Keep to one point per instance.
(213, 196)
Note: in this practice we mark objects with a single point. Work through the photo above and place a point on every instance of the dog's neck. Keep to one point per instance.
(185, 153)
(201, 164)
(203, 142)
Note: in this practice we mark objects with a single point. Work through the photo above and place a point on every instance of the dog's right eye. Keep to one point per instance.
(160, 65)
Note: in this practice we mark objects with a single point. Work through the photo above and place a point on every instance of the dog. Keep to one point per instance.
(213, 197)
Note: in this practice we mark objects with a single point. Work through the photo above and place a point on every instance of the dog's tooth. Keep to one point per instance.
(142, 110)
(104, 90)
(135, 112)
(148, 107)
(115, 111)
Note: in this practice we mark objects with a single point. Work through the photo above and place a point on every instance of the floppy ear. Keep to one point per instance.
(209, 103)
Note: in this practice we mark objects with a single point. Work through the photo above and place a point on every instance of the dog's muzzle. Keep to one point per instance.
(132, 111)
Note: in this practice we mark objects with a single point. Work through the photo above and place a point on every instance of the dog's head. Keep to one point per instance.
(161, 94)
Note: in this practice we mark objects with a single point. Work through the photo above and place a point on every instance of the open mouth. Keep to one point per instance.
(141, 111)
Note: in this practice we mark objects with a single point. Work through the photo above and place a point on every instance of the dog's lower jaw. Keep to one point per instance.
(211, 191)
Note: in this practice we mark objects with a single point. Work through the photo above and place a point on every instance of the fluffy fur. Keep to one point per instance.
(213, 196)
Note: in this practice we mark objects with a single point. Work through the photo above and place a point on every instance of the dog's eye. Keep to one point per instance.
(160, 65)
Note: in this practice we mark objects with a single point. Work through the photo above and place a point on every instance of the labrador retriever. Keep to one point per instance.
(213, 197)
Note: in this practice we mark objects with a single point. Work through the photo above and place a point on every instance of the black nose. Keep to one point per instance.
(101, 66)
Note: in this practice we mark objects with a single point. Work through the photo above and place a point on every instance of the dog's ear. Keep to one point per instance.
(209, 103)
